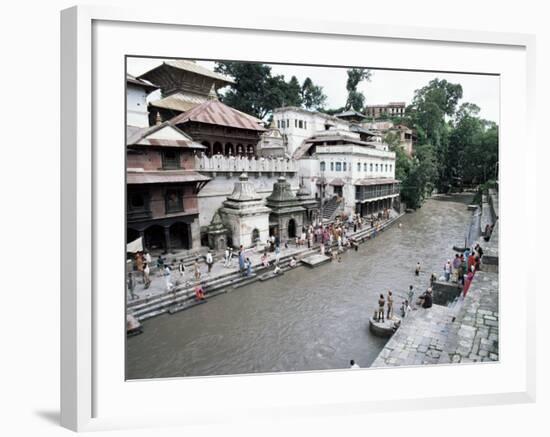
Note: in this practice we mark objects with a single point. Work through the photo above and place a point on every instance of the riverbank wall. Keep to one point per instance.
(464, 332)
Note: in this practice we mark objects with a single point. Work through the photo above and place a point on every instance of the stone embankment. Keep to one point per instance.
(465, 331)
(183, 296)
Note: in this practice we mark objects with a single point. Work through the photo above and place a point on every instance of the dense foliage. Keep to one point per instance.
(257, 92)
(455, 147)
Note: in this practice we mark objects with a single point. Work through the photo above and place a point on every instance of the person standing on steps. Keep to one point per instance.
(146, 275)
(181, 270)
(168, 278)
(241, 259)
(197, 269)
(209, 261)
(226, 257)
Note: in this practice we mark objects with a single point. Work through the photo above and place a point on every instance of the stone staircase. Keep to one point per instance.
(184, 294)
(330, 208)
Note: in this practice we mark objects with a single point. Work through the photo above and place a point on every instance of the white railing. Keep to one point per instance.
(244, 164)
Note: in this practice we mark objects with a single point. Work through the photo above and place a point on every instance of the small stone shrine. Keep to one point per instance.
(245, 214)
(287, 214)
(217, 233)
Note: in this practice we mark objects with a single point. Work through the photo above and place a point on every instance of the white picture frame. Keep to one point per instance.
(92, 394)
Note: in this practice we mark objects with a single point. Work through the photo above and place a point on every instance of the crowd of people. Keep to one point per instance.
(332, 239)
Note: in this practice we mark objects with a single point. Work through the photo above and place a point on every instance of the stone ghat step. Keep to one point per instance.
(160, 304)
(152, 306)
(206, 282)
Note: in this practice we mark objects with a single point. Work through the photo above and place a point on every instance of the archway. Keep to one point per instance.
(229, 150)
(218, 148)
(208, 150)
(255, 235)
(291, 228)
(131, 235)
(179, 236)
(154, 238)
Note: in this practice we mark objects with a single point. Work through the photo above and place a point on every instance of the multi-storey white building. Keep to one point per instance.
(340, 162)
(297, 124)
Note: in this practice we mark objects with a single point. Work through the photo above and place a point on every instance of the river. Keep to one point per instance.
(307, 319)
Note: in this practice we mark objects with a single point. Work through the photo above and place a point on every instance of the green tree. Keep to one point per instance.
(257, 92)
(356, 99)
(312, 95)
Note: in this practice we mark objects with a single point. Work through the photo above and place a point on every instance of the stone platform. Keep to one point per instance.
(385, 328)
(466, 333)
(315, 260)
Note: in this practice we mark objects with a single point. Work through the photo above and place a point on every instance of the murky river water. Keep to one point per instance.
(306, 319)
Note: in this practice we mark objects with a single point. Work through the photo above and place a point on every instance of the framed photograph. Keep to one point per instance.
(265, 216)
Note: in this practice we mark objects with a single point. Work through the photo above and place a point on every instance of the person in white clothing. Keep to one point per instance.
(168, 278)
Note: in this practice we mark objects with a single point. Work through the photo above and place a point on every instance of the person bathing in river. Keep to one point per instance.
(410, 295)
(417, 269)
(381, 305)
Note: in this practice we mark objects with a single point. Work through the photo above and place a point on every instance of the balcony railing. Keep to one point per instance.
(138, 215)
(219, 163)
(366, 193)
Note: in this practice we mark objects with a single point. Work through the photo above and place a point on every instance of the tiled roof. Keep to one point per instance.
(179, 102)
(141, 137)
(166, 176)
(148, 86)
(215, 112)
(193, 67)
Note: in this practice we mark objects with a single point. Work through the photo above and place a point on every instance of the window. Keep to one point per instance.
(391, 166)
(137, 202)
(287, 122)
(376, 167)
(358, 166)
(332, 166)
(279, 124)
(365, 166)
(345, 166)
(300, 124)
(338, 166)
(305, 124)
(295, 122)
(170, 159)
(322, 165)
(371, 167)
(174, 200)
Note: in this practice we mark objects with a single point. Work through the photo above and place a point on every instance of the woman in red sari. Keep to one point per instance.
(467, 282)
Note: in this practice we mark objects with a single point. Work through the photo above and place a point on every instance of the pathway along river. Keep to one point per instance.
(306, 319)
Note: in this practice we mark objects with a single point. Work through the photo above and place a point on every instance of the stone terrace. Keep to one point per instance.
(429, 336)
